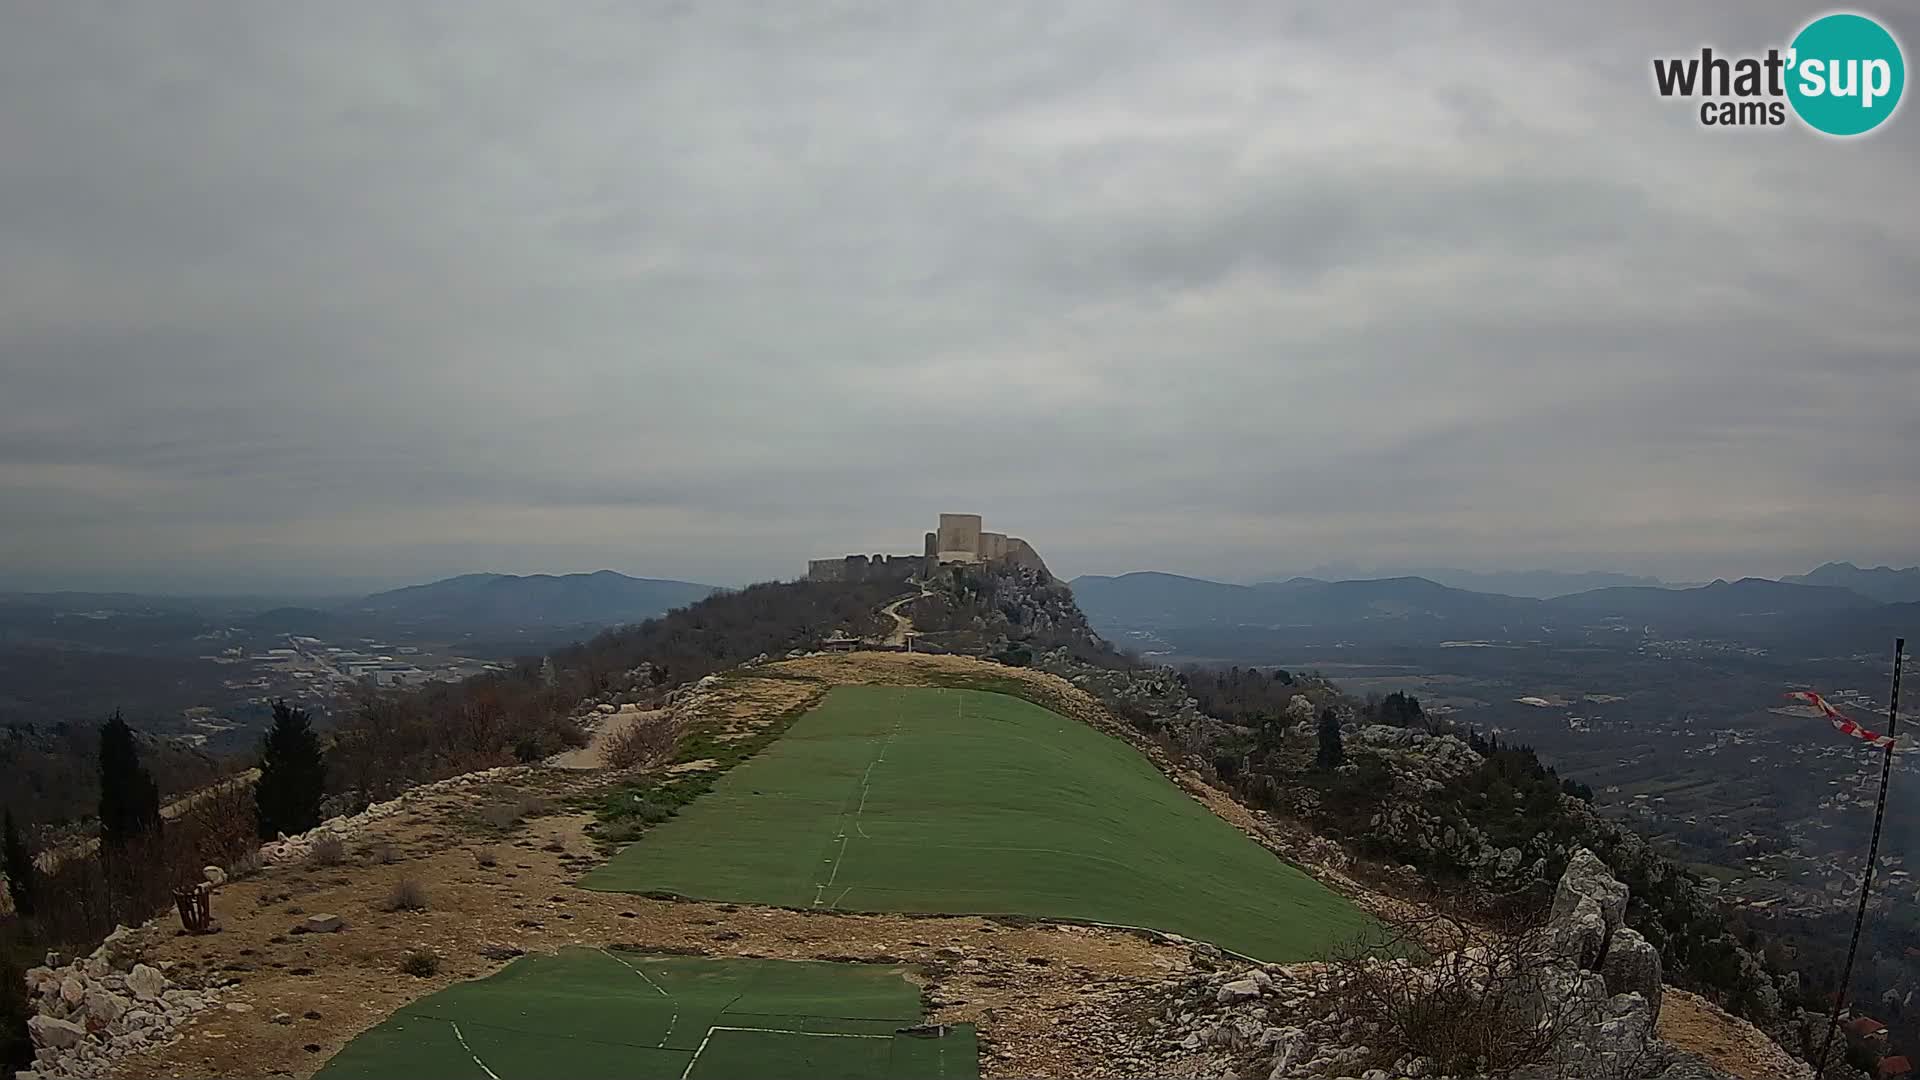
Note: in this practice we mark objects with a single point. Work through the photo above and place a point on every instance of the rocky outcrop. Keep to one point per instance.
(88, 1013)
(1586, 977)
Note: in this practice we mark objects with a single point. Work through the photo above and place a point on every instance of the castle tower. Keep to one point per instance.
(959, 538)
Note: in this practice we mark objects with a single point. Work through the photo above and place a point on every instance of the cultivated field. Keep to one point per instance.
(913, 799)
(607, 1013)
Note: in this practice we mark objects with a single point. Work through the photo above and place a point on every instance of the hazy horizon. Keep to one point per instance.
(322, 588)
(358, 296)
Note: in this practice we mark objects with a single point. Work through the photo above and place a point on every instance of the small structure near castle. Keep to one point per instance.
(959, 539)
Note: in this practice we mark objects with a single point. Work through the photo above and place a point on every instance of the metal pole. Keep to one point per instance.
(1873, 853)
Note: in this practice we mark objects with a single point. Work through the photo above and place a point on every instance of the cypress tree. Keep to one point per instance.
(1331, 752)
(19, 864)
(293, 774)
(129, 799)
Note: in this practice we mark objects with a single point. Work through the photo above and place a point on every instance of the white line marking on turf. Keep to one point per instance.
(470, 1053)
(866, 785)
(672, 1020)
(708, 1037)
(866, 782)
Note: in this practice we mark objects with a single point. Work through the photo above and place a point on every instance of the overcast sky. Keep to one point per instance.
(303, 296)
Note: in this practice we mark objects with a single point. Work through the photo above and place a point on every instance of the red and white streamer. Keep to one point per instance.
(1841, 722)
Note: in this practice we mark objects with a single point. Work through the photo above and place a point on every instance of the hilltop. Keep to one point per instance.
(495, 856)
(490, 601)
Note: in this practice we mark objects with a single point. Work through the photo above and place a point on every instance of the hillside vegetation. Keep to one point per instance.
(1482, 820)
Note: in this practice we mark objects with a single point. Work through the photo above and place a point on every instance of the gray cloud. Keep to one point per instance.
(375, 292)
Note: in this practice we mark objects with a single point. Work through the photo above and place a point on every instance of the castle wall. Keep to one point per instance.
(1021, 553)
(862, 568)
(828, 569)
(959, 539)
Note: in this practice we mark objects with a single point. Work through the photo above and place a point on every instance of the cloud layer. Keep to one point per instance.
(372, 293)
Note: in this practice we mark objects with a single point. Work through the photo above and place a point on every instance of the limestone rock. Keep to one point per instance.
(145, 982)
(105, 1006)
(1580, 936)
(1632, 966)
(58, 1034)
(1588, 877)
(1238, 990)
(323, 924)
(122, 949)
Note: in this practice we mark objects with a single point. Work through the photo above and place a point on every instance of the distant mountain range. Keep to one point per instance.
(1539, 584)
(1882, 583)
(481, 601)
(1415, 609)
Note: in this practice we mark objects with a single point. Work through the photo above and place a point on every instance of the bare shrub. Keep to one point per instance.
(420, 963)
(407, 895)
(244, 865)
(642, 744)
(222, 823)
(1477, 1008)
(328, 850)
(486, 857)
(501, 815)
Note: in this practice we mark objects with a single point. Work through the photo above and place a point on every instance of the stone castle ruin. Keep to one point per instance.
(959, 539)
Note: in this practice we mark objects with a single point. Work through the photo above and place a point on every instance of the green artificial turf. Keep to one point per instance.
(963, 802)
(592, 1013)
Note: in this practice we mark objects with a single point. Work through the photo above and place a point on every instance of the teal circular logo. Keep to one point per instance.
(1846, 73)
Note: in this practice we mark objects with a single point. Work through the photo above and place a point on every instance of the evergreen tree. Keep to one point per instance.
(129, 799)
(1331, 752)
(293, 774)
(19, 865)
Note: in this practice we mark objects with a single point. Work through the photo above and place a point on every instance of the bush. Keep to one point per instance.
(244, 865)
(407, 895)
(505, 814)
(1473, 1010)
(502, 816)
(328, 850)
(420, 963)
(643, 743)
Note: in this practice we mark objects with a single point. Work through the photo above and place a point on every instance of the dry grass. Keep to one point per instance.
(244, 865)
(420, 963)
(514, 810)
(407, 895)
(642, 743)
(328, 850)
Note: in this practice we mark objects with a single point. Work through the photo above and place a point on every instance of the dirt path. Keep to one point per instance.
(594, 754)
(902, 626)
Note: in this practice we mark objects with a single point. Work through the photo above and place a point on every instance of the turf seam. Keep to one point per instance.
(708, 1037)
(528, 1031)
(866, 785)
(675, 1018)
(470, 1053)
